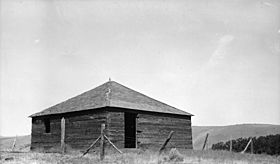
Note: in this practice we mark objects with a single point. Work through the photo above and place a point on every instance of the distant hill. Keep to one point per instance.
(224, 133)
(22, 143)
(216, 134)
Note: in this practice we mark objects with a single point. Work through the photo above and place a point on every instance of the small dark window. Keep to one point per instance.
(47, 125)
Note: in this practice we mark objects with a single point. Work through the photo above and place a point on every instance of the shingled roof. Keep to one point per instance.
(111, 94)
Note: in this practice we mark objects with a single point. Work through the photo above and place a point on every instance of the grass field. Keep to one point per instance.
(138, 157)
(149, 157)
(216, 134)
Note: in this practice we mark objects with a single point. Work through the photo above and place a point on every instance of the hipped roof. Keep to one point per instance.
(111, 94)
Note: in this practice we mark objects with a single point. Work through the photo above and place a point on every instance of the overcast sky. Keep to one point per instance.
(219, 60)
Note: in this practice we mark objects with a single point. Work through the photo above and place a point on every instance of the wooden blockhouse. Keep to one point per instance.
(132, 120)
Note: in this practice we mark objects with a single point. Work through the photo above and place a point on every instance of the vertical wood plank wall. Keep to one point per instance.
(115, 128)
(80, 131)
(45, 141)
(152, 131)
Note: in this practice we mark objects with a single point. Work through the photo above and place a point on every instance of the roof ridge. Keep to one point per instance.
(108, 93)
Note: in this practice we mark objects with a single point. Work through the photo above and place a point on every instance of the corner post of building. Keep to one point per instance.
(62, 135)
(136, 128)
(102, 147)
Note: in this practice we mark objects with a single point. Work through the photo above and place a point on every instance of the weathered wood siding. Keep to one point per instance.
(45, 141)
(115, 128)
(152, 130)
(80, 131)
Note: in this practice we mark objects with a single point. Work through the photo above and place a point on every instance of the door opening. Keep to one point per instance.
(130, 130)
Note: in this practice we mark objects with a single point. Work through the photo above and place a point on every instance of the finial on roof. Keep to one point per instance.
(109, 78)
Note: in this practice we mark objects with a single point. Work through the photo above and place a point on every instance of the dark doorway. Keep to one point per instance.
(47, 125)
(130, 130)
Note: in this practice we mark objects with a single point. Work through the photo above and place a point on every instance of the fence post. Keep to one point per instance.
(246, 146)
(230, 145)
(102, 150)
(114, 146)
(205, 141)
(166, 141)
(252, 147)
(62, 135)
(14, 143)
(91, 146)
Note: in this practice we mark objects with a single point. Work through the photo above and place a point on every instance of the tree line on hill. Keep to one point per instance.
(262, 145)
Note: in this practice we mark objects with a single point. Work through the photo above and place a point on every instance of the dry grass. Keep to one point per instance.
(140, 157)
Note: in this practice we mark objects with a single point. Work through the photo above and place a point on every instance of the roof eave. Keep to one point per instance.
(38, 114)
